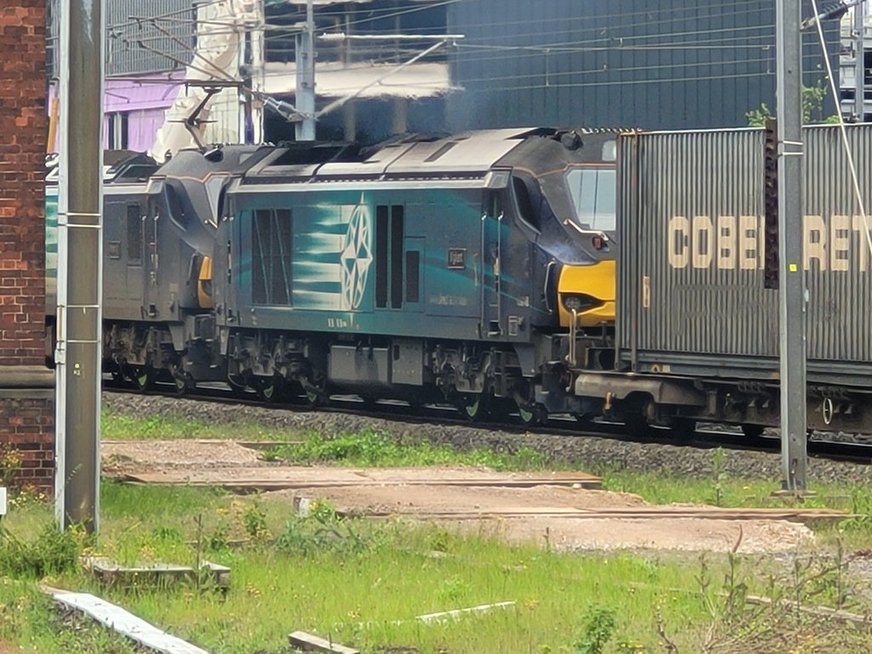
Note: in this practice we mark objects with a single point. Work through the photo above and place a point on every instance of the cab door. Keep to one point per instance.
(493, 235)
(151, 261)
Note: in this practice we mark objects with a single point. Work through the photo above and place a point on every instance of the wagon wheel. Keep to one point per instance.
(533, 414)
(636, 425)
(369, 400)
(473, 406)
(184, 383)
(754, 433)
(683, 428)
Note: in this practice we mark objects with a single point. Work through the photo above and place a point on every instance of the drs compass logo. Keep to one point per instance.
(356, 257)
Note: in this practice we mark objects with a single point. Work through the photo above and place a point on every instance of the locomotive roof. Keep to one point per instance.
(119, 167)
(466, 155)
(196, 164)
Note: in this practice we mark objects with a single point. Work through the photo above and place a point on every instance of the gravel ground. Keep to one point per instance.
(594, 452)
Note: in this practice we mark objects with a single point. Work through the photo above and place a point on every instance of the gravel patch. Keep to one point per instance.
(591, 451)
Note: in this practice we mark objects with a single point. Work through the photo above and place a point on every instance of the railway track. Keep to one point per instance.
(820, 445)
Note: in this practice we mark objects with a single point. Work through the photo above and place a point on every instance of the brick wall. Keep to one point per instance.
(26, 387)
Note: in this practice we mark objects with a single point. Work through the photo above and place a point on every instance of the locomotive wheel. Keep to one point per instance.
(474, 406)
(237, 385)
(316, 391)
(532, 415)
(141, 377)
(268, 389)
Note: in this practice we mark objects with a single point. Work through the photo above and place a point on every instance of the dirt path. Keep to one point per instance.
(546, 513)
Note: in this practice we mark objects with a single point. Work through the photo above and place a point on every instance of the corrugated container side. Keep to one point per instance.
(692, 248)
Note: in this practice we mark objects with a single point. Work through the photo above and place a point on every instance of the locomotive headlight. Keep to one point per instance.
(579, 302)
(572, 303)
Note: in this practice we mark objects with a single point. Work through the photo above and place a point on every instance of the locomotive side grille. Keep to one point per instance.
(271, 256)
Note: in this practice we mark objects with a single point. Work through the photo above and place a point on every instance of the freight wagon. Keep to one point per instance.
(697, 331)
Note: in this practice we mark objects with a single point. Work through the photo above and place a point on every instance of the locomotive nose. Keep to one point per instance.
(589, 291)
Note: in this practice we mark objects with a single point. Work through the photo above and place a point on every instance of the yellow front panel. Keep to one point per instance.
(597, 280)
(204, 279)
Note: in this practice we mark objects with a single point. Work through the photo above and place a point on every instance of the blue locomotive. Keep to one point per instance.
(476, 269)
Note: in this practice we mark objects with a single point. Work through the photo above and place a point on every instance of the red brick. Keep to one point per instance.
(26, 426)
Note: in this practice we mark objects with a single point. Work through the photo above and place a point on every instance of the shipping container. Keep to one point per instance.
(691, 296)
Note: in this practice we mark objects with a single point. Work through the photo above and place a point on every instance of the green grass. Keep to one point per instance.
(358, 582)
(123, 427)
(376, 449)
(362, 583)
(372, 448)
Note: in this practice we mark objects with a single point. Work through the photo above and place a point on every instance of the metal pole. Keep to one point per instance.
(305, 129)
(792, 274)
(860, 62)
(80, 273)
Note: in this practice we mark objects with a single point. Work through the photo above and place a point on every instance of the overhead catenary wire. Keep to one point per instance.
(611, 46)
(552, 46)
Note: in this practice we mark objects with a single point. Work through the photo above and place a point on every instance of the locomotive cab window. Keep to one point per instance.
(525, 191)
(594, 197)
(175, 204)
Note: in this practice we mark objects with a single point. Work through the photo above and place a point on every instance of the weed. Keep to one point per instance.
(28, 497)
(600, 623)
(254, 521)
(270, 455)
(52, 552)
(861, 512)
(10, 463)
(719, 473)
(323, 511)
(454, 590)
(439, 541)
(323, 531)
(219, 539)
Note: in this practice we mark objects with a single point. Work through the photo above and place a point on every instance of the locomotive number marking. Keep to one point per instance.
(337, 323)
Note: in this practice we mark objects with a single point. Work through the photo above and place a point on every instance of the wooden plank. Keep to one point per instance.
(123, 622)
(309, 643)
(594, 514)
(250, 485)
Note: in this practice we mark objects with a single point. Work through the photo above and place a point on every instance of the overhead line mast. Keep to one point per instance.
(80, 266)
(792, 289)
